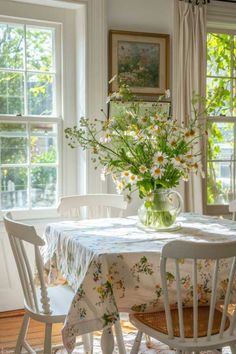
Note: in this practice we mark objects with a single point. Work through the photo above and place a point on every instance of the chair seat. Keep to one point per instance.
(60, 297)
(157, 321)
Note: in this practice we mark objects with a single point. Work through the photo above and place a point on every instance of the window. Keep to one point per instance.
(221, 97)
(30, 114)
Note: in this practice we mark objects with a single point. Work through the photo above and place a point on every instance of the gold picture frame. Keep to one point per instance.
(141, 60)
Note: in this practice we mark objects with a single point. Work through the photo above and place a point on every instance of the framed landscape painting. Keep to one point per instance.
(141, 60)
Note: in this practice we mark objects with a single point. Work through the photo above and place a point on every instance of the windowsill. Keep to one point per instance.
(37, 214)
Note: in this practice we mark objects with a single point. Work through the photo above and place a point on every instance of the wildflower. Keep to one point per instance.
(173, 142)
(119, 187)
(125, 174)
(156, 172)
(150, 196)
(132, 178)
(178, 160)
(189, 134)
(142, 169)
(160, 158)
(105, 139)
(189, 157)
(155, 129)
(143, 120)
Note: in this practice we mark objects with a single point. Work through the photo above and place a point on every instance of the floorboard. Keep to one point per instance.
(10, 327)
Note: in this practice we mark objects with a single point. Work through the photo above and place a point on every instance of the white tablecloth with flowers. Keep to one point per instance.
(113, 266)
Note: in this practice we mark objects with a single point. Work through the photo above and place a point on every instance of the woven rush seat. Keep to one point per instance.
(157, 321)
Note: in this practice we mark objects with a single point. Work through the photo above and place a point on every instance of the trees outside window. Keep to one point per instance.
(221, 97)
(29, 114)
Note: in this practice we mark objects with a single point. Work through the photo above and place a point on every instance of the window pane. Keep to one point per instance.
(14, 188)
(44, 186)
(40, 94)
(11, 93)
(11, 46)
(219, 54)
(43, 149)
(12, 128)
(219, 97)
(13, 143)
(219, 182)
(220, 141)
(39, 43)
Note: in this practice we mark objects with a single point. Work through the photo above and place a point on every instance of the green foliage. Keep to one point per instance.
(39, 57)
(144, 150)
(221, 101)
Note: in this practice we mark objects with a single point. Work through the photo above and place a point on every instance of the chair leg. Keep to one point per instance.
(88, 343)
(22, 334)
(48, 339)
(119, 338)
(137, 343)
(148, 341)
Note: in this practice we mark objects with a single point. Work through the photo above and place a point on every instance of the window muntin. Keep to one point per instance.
(29, 89)
(29, 165)
(27, 70)
(221, 96)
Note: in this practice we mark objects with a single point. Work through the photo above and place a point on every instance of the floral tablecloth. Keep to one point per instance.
(113, 266)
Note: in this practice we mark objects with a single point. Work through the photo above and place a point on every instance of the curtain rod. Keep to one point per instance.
(233, 1)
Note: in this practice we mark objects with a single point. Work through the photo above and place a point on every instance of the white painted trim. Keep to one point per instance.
(65, 4)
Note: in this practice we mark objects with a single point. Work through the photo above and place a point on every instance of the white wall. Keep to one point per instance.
(141, 16)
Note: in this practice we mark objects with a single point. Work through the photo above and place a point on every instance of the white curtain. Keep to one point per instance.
(189, 62)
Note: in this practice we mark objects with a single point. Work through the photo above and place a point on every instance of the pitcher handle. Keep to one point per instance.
(180, 200)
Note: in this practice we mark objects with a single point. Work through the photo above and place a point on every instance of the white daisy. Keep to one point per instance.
(132, 178)
(178, 160)
(125, 174)
(160, 158)
(142, 169)
(156, 172)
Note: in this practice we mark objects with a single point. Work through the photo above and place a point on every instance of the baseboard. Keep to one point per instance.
(14, 313)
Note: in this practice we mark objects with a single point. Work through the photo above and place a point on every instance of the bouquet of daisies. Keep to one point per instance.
(142, 148)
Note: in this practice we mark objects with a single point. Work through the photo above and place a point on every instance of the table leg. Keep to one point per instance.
(107, 341)
(119, 338)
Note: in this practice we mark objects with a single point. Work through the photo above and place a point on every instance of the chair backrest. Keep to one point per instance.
(232, 209)
(98, 205)
(177, 250)
(17, 233)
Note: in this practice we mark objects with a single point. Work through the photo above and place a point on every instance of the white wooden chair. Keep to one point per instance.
(232, 209)
(44, 304)
(98, 205)
(199, 328)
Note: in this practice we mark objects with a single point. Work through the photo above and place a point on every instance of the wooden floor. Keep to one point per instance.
(9, 329)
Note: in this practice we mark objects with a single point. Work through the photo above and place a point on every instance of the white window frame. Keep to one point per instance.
(221, 209)
(56, 119)
(85, 80)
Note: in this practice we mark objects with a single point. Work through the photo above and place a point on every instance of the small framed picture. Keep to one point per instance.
(119, 108)
(140, 60)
